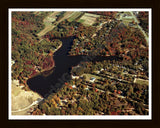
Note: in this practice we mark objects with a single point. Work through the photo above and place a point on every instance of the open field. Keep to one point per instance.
(74, 16)
(48, 22)
(45, 30)
(142, 81)
(51, 18)
(21, 99)
(88, 19)
(88, 76)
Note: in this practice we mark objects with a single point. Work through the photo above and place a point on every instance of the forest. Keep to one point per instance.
(120, 86)
(106, 96)
(30, 53)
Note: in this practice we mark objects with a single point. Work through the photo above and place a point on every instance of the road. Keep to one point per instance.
(136, 21)
(23, 109)
(99, 28)
(118, 95)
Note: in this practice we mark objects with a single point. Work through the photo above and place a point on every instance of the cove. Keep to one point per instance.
(63, 64)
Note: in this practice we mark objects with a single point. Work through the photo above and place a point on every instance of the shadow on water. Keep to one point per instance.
(52, 83)
(45, 85)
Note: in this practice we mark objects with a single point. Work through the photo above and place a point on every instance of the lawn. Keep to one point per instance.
(51, 18)
(74, 16)
(88, 19)
(142, 81)
(98, 78)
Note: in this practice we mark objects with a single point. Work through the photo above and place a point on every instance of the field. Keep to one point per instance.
(51, 18)
(48, 23)
(88, 19)
(88, 76)
(74, 16)
(142, 81)
(21, 99)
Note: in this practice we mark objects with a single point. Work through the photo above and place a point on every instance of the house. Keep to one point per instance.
(87, 88)
(102, 69)
(119, 92)
(92, 79)
(75, 77)
(73, 86)
(125, 72)
(97, 72)
(12, 62)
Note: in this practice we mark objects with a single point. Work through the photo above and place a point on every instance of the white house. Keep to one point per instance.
(75, 77)
(12, 62)
(92, 79)
(73, 86)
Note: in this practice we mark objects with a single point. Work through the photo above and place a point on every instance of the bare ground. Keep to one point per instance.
(21, 99)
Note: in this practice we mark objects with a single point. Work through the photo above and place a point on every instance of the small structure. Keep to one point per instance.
(75, 77)
(92, 79)
(87, 88)
(119, 92)
(97, 72)
(102, 69)
(12, 62)
(73, 86)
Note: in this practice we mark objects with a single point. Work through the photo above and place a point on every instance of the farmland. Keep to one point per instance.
(88, 19)
(75, 15)
(48, 23)
(51, 18)
(51, 21)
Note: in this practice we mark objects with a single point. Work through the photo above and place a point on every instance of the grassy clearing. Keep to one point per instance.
(74, 16)
(92, 15)
(45, 30)
(88, 19)
(142, 81)
(81, 20)
(88, 76)
(48, 23)
(51, 18)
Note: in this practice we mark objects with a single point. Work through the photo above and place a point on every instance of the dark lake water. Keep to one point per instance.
(61, 73)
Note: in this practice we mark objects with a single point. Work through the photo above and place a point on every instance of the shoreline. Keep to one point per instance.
(22, 99)
(23, 88)
(48, 68)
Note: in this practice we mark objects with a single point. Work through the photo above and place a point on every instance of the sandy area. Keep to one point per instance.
(21, 100)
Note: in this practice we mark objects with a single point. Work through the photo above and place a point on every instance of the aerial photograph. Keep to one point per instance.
(79, 63)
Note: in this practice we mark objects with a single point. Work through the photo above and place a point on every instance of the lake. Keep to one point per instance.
(61, 73)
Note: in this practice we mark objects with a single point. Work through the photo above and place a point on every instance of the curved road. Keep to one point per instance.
(143, 32)
(23, 109)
